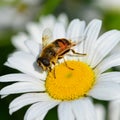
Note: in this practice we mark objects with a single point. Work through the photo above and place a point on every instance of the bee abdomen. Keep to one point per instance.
(62, 41)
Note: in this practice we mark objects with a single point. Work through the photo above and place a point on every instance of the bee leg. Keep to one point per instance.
(54, 73)
(74, 52)
(60, 57)
(50, 69)
(54, 69)
(67, 65)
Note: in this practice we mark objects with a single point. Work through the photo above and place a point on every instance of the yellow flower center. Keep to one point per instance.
(69, 81)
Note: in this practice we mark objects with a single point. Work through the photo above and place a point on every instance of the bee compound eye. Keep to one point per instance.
(44, 61)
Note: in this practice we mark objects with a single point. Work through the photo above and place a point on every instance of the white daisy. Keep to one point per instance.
(70, 89)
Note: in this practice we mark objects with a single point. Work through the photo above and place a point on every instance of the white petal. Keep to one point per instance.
(110, 76)
(109, 62)
(18, 41)
(104, 45)
(33, 47)
(50, 20)
(26, 63)
(63, 19)
(75, 30)
(83, 109)
(35, 33)
(41, 117)
(65, 111)
(105, 91)
(21, 87)
(100, 111)
(18, 77)
(114, 110)
(116, 49)
(59, 31)
(39, 109)
(27, 99)
(68, 57)
(91, 34)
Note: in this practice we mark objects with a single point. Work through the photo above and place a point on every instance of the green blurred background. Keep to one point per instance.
(15, 14)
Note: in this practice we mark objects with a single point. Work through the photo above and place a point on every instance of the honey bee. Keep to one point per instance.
(53, 51)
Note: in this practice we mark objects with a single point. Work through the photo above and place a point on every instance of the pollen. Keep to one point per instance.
(70, 80)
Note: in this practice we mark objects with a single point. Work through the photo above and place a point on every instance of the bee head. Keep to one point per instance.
(43, 62)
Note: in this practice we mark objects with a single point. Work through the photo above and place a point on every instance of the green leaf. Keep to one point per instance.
(49, 7)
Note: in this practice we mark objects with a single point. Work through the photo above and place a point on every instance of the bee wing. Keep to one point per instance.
(46, 37)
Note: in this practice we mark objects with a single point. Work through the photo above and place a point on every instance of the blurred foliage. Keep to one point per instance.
(9, 2)
(50, 6)
(111, 20)
(52, 114)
